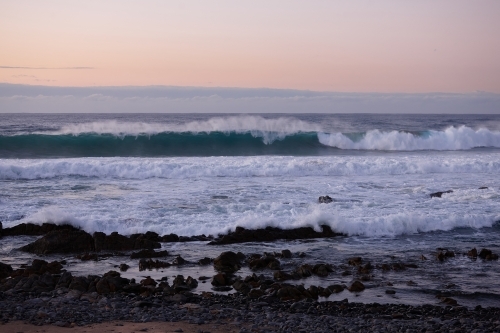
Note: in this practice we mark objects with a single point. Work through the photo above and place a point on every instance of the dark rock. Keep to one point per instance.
(170, 238)
(336, 288)
(356, 286)
(219, 280)
(269, 234)
(30, 229)
(179, 261)
(264, 262)
(390, 291)
(117, 242)
(111, 282)
(205, 261)
(148, 253)
(61, 241)
(282, 276)
(487, 255)
(5, 270)
(242, 287)
(286, 254)
(472, 253)
(79, 283)
(227, 262)
(304, 270)
(150, 264)
(64, 280)
(124, 267)
(439, 194)
(355, 261)
(483, 188)
(442, 255)
(322, 270)
(325, 199)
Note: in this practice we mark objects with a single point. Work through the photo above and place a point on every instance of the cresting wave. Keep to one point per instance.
(256, 166)
(230, 136)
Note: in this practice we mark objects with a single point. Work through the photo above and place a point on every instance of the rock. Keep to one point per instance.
(150, 264)
(79, 283)
(356, 286)
(483, 188)
(5, 270)
(286, 254)
(487, 255)
(30, 229)
(325, 199)
(439, 194)
(242, 287)
(148, 253)
(61, 241)
(170, 238)
(264, 262)
(336, 288)
(111, 282)
(322, 270)
(355, 261)
(442, 255)
(117, 242)
(124, 267)
(282, 276)
(179, 261)
(204, 261)
(390, 291)
(227, 262)
(472, 253)
(269, 234)
(255, 293)
(304, 270)
(219, 280)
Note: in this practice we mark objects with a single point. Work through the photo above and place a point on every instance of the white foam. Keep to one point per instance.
(268, 129)
(257, 166)
(452, 138)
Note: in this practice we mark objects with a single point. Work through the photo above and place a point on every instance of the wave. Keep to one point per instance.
(452, 138)
(256, 166)
(388, 225)
(230, 136)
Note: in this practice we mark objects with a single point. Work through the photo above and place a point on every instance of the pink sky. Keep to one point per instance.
(345, 46)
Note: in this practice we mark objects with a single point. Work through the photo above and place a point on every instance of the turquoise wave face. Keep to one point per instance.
(162, 144)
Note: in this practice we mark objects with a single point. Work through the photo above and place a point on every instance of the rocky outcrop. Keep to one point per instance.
(148, 254)
(68, 240)
(269, 234)
(61, 241)
(228, 262)
(30, 229)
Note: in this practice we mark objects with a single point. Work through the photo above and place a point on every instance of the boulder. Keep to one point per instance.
(325, 199)
(487, 255)
(148, 253)
(264, 262)
(286, 254)
(205, 261)
(111, 282)
(227, 262)
(356, 286)
(219, 280)
(5, 270)
(150, 264)
(61, 241)
(472, 253)
(439, 194)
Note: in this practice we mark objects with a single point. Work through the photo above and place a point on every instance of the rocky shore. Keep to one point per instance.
(272, 298)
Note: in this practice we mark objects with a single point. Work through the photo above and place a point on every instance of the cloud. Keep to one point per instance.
(23, 67)
(161, 99)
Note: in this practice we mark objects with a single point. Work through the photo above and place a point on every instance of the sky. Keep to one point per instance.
(358, 47)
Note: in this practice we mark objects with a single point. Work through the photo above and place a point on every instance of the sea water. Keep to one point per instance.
(207, 174)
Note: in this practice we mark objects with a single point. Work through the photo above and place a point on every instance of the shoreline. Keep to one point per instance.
(276, 295)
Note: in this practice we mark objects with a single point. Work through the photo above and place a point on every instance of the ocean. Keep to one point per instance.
(192, 174)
